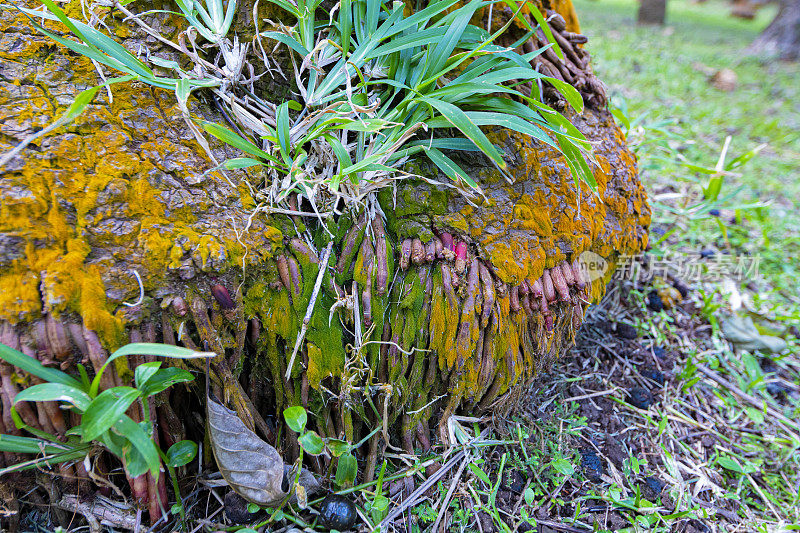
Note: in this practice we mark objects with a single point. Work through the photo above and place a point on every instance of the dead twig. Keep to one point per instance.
(323, 265)
(755, 402)
(97, 514)
(446, 500)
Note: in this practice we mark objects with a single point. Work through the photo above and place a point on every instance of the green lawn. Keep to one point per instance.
(660, 71)
(661, 74)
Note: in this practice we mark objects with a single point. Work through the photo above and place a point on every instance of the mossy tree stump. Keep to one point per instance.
(407, 327)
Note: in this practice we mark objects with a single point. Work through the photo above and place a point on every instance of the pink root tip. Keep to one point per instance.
(461, 250)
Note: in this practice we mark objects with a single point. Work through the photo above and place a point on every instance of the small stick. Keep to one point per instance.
(417, 251)
(310, 310)
(446, 501)
(96, 512)
(750, 399)
(551, 57)
(415, 496)
(556, 21)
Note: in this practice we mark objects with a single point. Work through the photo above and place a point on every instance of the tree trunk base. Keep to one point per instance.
(782, 37)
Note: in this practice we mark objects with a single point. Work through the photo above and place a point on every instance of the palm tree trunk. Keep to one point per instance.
(652, 12)
(782, 36)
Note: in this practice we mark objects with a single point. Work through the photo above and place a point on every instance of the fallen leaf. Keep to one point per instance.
(743, 334)
(252, 468)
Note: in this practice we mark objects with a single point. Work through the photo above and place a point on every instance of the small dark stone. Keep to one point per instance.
(337, 512)
(705, 254)
(640, 397)
(769, 366)
(713, 212)
(525, 527)
(774, 387)
(652, 487)
(626, 331)
(653, 375)
(681, 286)
(659, 352)
(487, 524)
(516, 482)
(777, 389)
(696, 525)
(654, 302)
(236, 509)
(592, 465)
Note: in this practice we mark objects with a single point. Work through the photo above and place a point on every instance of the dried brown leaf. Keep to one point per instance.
(252, 468)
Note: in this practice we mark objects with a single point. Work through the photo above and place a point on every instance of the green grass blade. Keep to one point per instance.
(35, 368)
(461, 92)
(229, 13)
(545, 28)
(503, 75)
(422, 17)
(287, 40)
(448, 143)
(163, 379)
(569, 92)
(514, 123)
(147, 348)
(58, 392)
(346, 67)
(283, 130)
(368, 163)
(227, 136)
(55, 453)
(15, 444)
(65, 20)
(340, 151)
(345, 24)
(445, 46)
(449, 167)
(412, 40)
(460, 120)
(373, 10)
(242, 162)
(113, 49)
(536, 14)
(456, 61)
(159, 350)
(36, 432)
(98, 41)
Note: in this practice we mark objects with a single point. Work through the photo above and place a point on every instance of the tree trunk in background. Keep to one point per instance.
(652, 12)
(782, 36)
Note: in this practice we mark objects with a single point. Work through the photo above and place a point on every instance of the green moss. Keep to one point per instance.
(419, 227)
(326, 335)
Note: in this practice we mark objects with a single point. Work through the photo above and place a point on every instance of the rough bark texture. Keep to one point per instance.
(782, 36)
(652, 12)
(125, 189)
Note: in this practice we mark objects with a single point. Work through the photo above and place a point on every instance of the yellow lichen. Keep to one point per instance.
(105, 191)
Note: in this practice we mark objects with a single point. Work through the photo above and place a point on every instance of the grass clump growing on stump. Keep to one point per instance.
(372, 86)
